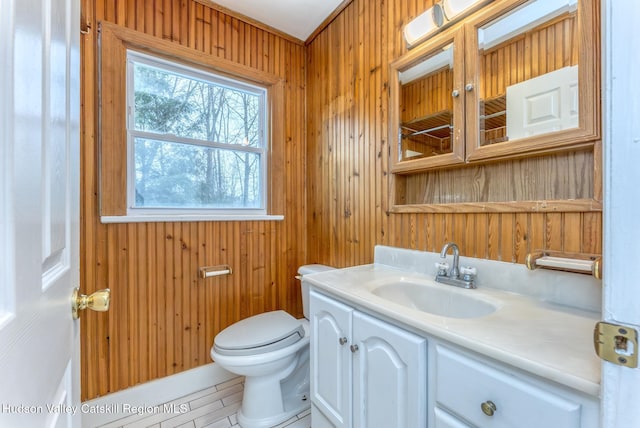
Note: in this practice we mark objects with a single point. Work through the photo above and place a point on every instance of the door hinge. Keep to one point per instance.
(616, 343)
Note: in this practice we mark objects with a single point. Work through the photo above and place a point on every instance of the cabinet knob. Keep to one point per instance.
(468, 87)
(455, 93)
(488, 408)
(342, 340)
(354, 348)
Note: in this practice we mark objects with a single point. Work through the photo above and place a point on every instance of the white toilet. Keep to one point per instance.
(272, 351)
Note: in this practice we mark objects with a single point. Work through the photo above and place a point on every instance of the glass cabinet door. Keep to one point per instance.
(427, 106)
(530, 77)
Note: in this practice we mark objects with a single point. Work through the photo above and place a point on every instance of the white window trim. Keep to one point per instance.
(161, 214)
(150, 218)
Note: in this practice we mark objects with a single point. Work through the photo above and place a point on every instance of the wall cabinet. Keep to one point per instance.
(365, 372)
(517, 78)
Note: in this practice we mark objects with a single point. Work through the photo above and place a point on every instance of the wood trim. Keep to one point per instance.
(112, 117)
(276, 169)
(114, 42)
(578, 205)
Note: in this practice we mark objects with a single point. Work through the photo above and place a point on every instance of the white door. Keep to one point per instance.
(621, 108)
(39, 199)
(544, 104)
(390, 375)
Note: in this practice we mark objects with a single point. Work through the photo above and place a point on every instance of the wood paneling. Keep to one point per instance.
(541, 50)
(546, 48)
(563, 176)
(348, 156)
(163, 317)
(427, 96)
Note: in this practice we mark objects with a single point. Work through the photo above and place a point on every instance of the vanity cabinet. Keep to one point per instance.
(368, 372)
(364, 372)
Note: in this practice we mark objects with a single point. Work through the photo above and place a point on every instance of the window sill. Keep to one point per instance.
(187, 217)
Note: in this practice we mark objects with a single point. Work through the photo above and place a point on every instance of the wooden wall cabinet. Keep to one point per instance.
(532, 84)
(521, 80)
(427, 105)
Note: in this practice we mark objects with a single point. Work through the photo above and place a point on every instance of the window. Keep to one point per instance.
(186, 136)
(196, 141)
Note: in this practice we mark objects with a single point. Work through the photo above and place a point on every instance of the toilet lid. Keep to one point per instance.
(259, 334)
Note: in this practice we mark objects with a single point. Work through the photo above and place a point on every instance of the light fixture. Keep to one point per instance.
(453, 8)
(439, 16)
(423, 25)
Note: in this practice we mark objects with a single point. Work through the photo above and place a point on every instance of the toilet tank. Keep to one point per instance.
(304, 285)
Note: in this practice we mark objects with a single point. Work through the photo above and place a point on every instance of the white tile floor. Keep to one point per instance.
(214, 407)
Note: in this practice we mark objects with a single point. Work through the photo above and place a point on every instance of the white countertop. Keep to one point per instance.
(552, 341)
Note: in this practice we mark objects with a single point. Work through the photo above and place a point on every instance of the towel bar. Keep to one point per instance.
(570, 262)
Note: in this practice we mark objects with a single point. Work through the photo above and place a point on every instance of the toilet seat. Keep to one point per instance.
(259, 334)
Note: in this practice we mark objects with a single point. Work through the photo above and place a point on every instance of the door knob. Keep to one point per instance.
(97, 301)
(354, 348)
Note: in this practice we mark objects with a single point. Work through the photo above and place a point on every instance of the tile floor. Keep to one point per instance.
(214, 407)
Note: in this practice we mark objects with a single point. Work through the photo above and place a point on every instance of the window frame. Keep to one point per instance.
(177, 68)
(114, 156)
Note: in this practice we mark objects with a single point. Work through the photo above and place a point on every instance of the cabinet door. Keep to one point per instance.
(427, 123)
(330, 359)
(390, 378)
(531, 68)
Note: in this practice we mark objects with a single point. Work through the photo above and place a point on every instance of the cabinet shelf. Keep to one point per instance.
(437, 125)
(493, 120)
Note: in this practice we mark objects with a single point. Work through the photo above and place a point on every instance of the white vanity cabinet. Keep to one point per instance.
(470, 391)
(364, 372)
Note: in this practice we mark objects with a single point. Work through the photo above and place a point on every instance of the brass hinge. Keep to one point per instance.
(616, 343)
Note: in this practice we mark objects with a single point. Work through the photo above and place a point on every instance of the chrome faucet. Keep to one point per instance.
(453, 277)
(455, 270)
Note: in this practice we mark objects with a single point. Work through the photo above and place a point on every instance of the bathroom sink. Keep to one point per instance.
(436, 299)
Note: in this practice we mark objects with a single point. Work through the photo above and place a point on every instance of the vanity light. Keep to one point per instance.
(441, 15)
(423, 25)
(453, 8)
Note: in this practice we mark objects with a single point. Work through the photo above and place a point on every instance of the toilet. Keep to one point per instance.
(271, 350)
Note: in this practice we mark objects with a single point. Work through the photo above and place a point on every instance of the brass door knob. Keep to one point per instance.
(97, 301)
(488, 408)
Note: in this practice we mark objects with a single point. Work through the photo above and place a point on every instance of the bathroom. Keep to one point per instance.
(333, 196)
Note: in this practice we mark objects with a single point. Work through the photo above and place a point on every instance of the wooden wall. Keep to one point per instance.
(163, 317)
(347, 108)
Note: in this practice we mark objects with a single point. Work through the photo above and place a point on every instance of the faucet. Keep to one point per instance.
(452, 277)
(455, 270)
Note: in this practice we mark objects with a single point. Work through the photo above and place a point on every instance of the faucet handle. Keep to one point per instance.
(468, 272)
(443, 267)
